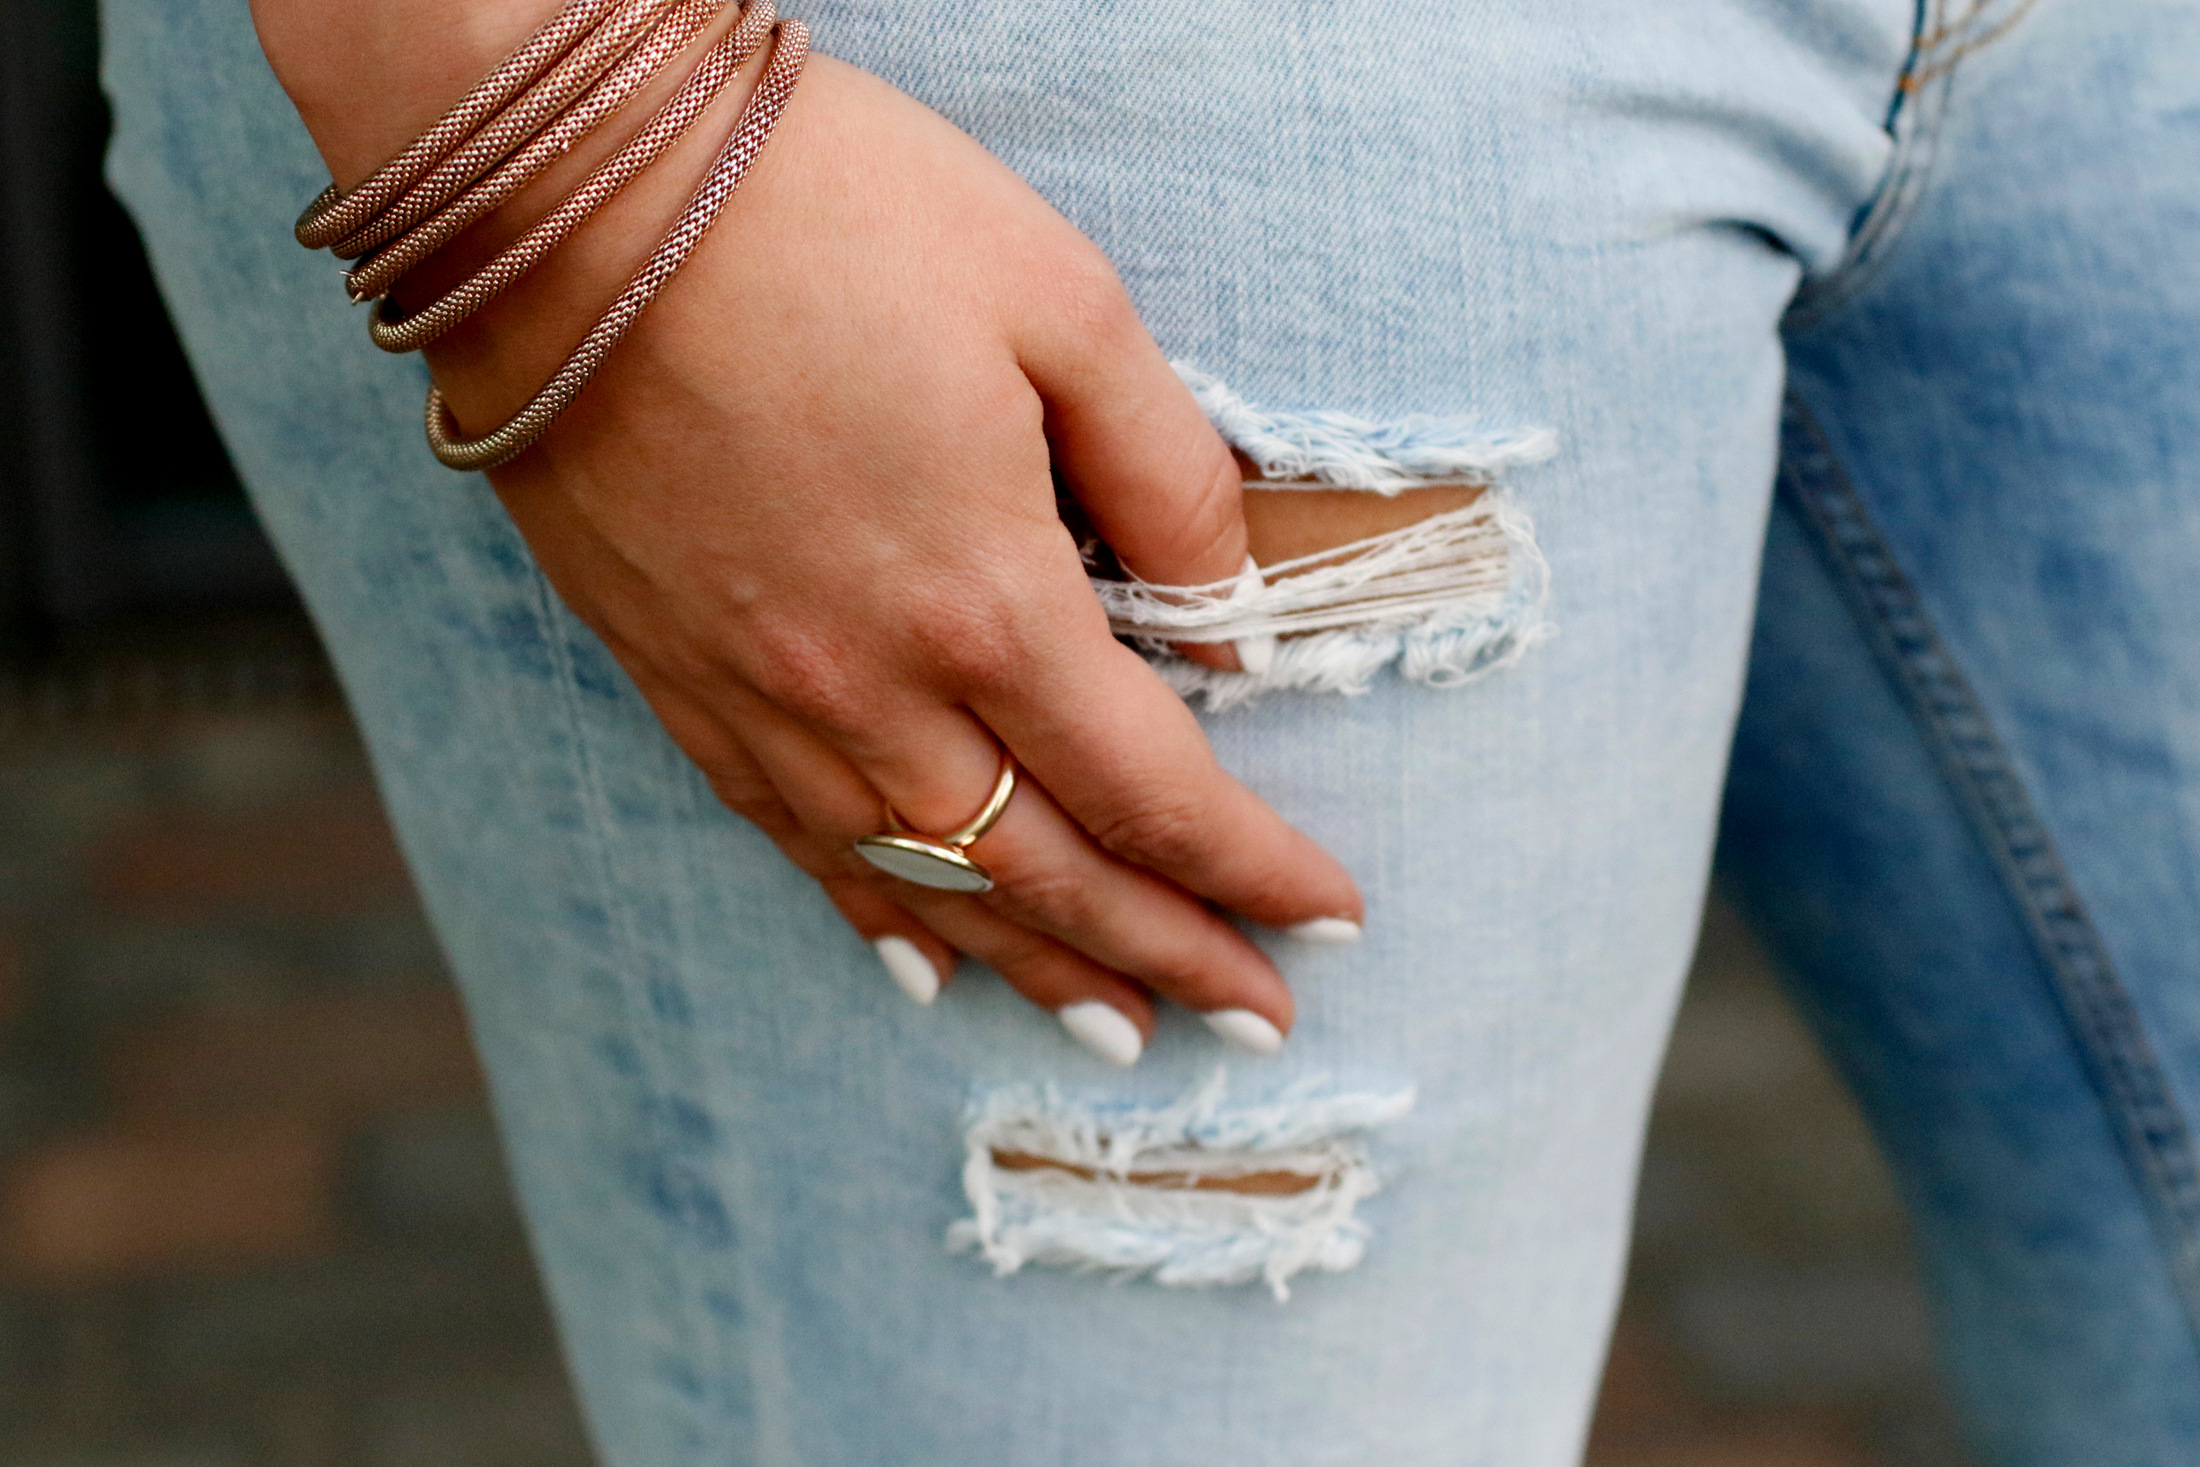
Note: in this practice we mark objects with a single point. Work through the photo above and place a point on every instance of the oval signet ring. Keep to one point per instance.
(940, 862)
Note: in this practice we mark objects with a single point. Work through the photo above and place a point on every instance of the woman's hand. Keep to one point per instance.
(808, 505)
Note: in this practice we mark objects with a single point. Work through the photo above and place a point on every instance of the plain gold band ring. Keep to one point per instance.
(940, 862)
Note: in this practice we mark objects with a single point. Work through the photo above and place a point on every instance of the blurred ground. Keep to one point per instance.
(1773, 1316)
(251, 1213)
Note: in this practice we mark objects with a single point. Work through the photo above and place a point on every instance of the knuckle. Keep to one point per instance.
(749, 797)
(804, 673)
(1083, 265)
(976, 640)
(1212, 513)
(1167, 832)
(1049, 896)
(1089, 297)
(690, 662)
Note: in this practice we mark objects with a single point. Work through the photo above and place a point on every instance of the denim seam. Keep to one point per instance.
(1919, 107)
(1918, 117)
(2098, 1012)
(592, 805)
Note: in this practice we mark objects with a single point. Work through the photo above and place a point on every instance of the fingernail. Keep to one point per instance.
(1102, 1029)
(910, 969)
(1327, 931)
(1256, 654)
(1246, 1030)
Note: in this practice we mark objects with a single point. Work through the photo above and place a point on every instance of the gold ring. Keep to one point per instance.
(940, 862)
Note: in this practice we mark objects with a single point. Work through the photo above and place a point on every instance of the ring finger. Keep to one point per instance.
(1048, 876)
(917, 932)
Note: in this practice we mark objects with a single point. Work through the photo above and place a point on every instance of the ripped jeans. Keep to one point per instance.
(1582, 253)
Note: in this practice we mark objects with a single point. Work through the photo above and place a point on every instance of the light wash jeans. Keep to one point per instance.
(1964, 799)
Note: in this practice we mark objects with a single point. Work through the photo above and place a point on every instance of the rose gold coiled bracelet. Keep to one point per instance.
(581, 67)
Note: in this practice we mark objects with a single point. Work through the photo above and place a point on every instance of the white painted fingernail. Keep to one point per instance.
(1256, 654)
(910, 969)
(1327, 931)
(1246, 1030)
(1102, 1029)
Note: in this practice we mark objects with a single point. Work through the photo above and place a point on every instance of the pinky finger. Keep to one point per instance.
(1102, 1010)
(912, 954)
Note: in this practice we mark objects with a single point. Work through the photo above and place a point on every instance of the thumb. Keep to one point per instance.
(1154, 477)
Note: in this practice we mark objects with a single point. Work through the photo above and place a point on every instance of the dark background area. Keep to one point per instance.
(122, 528)
(252, 1212)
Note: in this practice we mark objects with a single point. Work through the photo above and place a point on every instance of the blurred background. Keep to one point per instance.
(251, 1207)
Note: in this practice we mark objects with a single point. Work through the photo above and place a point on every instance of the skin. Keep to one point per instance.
(807, 504)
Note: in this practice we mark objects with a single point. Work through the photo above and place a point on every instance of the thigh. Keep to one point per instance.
(1989, 537)
(1393, 234)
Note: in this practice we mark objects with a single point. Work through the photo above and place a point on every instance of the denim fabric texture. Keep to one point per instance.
(1964, 798)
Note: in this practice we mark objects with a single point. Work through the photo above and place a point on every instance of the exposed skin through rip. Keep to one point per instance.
(1284, 524)
(1251, 1184)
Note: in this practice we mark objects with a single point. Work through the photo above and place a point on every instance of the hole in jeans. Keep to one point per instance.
(1194, 1192)
(1250, 1184)
(1287, 524)
(1376, 544)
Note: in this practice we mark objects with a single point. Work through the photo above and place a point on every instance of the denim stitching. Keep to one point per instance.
(592, 803)
(1981, 24)
(2103, 1022)
(1917, 119)
(1919, 107)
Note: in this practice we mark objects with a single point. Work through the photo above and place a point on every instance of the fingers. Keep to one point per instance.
(1156, 478)
(1049, 877)
(1103, 1011)
(1158, 482)
(1129, 763)
(1102, 733)
(917, 932)
(915, 958)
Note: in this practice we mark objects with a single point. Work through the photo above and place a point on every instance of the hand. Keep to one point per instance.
(808, 505)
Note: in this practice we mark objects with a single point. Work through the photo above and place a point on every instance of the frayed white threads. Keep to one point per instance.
(1450, 599)
(1393, 578)
(1256, 651)
(1111, 1214)
(1341, 451)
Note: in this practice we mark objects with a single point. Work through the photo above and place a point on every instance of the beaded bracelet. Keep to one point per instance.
(578, 69)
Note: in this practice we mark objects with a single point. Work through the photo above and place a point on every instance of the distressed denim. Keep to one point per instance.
(1956, 241)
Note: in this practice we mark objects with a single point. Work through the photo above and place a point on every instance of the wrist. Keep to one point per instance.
(489, 365)
(368, 76)
(360, 119)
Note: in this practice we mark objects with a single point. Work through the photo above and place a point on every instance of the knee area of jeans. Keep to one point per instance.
(1440, 576)
(1196, 1192)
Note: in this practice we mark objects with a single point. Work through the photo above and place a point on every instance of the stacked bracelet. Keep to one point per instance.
(433, 211)
(758, 116)
(582, 66)
(425, 324)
